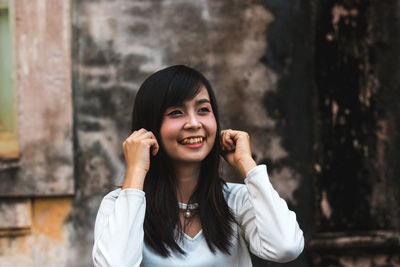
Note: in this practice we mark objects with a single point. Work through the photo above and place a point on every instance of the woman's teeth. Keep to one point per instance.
(192, 141)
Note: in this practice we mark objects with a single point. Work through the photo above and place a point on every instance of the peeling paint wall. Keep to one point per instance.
(356, 123)
(36, 188)
(357, 186)
(47, 242)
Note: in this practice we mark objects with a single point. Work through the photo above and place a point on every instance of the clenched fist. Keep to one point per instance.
(235, 146)
(137, 148)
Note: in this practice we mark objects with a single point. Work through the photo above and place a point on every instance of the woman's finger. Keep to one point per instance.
(154, 147)
(145, 135)
(222, 139)
(236, 135)
(226, 140)
(229, 137)
(149, 138)
(137, 133)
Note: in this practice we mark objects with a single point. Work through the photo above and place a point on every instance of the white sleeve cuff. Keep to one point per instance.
(257, 170)
(132, 191)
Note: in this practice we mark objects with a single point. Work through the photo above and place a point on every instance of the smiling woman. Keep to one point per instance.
(174, 209)
(188, 130)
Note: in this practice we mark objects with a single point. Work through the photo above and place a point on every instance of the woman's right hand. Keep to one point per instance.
(137, 148)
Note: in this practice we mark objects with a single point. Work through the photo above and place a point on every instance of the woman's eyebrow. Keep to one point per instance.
(202, 101)
(198, 102)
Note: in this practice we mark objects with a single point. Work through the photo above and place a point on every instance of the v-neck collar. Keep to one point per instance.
(195, 237)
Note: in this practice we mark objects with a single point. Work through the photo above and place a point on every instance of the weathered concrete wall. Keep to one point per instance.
(119, 43)
(273, 65)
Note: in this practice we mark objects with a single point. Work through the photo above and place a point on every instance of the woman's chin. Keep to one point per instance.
(189, 160)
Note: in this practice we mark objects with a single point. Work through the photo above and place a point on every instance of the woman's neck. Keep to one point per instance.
(187, 176)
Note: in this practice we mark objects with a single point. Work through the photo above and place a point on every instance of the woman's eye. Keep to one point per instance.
(204, 110)
(175, 112)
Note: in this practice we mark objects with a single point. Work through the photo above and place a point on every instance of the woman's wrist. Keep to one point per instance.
(134, 178)
(246, 165)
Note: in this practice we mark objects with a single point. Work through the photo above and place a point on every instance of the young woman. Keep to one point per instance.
(173, 208)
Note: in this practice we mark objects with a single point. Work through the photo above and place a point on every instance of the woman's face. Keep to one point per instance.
(188, 131)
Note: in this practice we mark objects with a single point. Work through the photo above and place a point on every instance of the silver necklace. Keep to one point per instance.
(188, 208)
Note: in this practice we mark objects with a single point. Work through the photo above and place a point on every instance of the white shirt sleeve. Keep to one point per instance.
(269, 227)
(118, 233)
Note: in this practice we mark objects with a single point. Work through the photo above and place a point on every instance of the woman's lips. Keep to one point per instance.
(194, 145)
(191, 138)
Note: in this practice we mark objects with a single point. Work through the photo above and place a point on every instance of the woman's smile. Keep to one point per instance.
(193, 143)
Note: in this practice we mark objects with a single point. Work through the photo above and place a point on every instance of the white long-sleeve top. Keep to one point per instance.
(266, 226)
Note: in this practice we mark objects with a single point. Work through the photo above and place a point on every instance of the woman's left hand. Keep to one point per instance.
(235, 146)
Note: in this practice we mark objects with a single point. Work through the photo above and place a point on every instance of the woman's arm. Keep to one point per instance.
(118, 234)
(269, 227)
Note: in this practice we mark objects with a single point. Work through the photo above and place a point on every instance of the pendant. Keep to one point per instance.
(188, 214)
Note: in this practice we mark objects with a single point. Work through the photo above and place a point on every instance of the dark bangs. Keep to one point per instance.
(185, 85)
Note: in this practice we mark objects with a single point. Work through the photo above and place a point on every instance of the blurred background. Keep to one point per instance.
(316, 83)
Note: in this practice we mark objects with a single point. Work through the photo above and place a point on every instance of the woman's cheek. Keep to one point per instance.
(169, 129)
(211, 125)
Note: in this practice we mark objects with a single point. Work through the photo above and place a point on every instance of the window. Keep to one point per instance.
(9, 147)
(36, 68)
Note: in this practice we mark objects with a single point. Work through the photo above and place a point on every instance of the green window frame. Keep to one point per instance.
(9, 145)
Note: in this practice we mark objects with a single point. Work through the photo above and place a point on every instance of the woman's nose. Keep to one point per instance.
(192, 122)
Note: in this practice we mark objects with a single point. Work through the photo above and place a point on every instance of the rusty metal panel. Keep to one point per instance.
(43, 70)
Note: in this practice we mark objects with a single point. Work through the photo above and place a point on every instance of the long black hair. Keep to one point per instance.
(163, 89)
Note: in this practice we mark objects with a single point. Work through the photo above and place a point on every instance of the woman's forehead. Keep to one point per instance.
(201, 97)
(203, 93)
